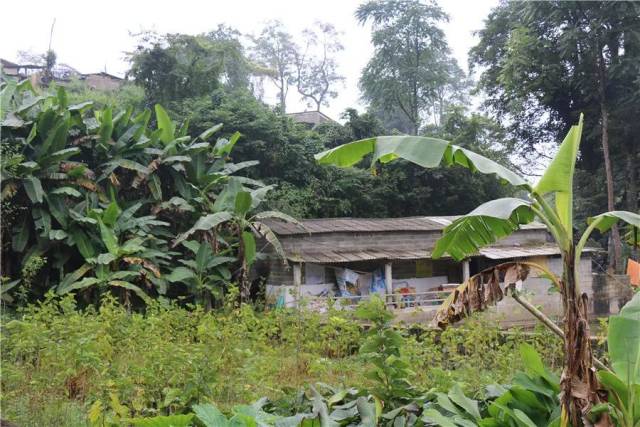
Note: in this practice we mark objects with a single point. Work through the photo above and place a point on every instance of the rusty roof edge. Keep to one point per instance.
(337, 256)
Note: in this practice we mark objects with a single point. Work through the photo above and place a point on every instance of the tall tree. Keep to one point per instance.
(411, 60)
(275, 50)
(177, 66)
(545, 62)
(316, 66)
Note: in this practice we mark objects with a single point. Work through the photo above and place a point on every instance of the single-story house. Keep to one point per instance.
(350, 258)
(311, 119)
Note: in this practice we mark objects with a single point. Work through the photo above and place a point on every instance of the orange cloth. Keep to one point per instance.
(633, 271)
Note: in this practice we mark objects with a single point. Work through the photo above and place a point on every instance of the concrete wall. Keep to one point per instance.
(538, 291)
(401, 240)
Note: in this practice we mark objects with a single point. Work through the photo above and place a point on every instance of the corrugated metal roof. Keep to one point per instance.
(505, 252)
(353, 256)
(491, 252)
(360, 225)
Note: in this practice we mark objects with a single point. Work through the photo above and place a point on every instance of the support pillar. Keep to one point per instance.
(297, 280)
(465, 270)
(388, 279)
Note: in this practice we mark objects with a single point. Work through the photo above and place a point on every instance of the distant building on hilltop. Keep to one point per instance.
(311, 118)
(62, 74)
(102, 81)
(19, 71)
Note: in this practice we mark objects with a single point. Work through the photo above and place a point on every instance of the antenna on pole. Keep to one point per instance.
(49, 58)
(53, 24)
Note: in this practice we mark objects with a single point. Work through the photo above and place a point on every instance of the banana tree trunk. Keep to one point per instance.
(578, 383)
(245, 285)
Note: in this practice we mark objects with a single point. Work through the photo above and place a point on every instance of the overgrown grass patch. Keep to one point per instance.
(57, 360)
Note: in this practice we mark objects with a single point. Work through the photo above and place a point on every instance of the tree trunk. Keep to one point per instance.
(615, 245)
(632, 183)
(283, 96)
(578, 383)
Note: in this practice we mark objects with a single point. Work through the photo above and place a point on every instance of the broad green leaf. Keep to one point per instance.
(5, 98)
(179, 274)
(271, 238)
(155, 187)
(631, 309)
(33, 187)
(202, 255)
(483, 226)
(58, 209)
(21, 235)
(81, 106)
(615, 384)
(278, 215)
(70, 278)
(469, 405)
(82, 284)
(207, 133)
(59, 155)
(226, 200)
(103, 259)
(219, 260)
(168, 128)
(56, 139)
(130, 286)
(243, 202)
(210, 416)
(606, 220)
(558, 177)
(63, 100)
(125, 164)
(108, 238)
(231, 168)
(69, 191)
(423, 151)
(624, 342)
(258, 195)
(224, 146)
(523, 419)
(106, 126)
(206, 222)
(7, 286)
(445, 403)
(532, 361)
(57, 235)
(249, 245)
(431, 415)
(110, 214)
(367, 412)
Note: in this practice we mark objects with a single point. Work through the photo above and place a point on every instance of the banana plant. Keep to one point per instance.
(206, 275)
(32, 173)
(623, 382)
(233, 209)
(550, 201)
(125, 253)
(531, 400)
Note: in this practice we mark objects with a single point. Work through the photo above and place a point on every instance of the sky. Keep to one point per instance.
(93, 36)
